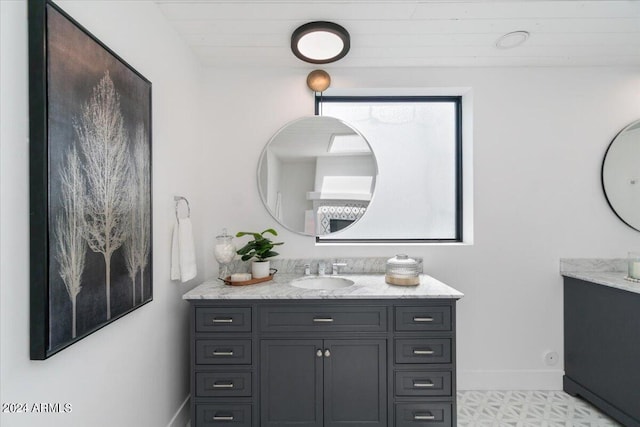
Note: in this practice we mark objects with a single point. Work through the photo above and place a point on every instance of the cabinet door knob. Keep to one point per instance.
(319, 353)
(327, 353)
(423, 417)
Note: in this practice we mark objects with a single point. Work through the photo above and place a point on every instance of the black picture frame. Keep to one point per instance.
(91, 257)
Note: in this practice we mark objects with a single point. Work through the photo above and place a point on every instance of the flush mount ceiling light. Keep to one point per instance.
(512, 39)
(320, 42)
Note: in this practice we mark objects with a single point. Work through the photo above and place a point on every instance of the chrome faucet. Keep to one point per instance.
(321, 269)
(336, 267)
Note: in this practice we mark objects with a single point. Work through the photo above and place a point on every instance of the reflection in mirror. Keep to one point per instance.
(317, 175)
(621, 175)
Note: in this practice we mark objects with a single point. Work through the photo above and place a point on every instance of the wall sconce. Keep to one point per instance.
(320, 42)
(318, 80)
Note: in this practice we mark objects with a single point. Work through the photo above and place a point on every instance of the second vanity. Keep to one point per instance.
(601, 336)
(369, 354)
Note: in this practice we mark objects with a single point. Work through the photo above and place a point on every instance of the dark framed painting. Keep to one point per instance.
(90, 183)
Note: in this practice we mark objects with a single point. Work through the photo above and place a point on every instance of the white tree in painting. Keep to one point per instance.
(69, 240)
(130, 258)
(103, 139)
(137, 246)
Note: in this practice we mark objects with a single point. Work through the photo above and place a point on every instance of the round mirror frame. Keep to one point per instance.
(631, 222)
(265, 151)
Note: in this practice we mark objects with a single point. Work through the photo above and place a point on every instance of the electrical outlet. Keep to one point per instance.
(551, 358)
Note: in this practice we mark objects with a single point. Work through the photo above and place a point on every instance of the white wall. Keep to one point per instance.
(539, 138)
(133, 372)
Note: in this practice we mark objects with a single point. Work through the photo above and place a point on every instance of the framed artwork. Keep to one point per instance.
(90, 183)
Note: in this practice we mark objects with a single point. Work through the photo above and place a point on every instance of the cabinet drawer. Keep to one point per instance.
(222, 319)
(223, 352)
(423, 414)
(434, 350)
(217, 384)
(423, 318)
(323, 318)
(423, 383)
(223, 414)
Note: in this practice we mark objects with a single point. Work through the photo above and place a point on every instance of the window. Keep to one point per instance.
(417, 141)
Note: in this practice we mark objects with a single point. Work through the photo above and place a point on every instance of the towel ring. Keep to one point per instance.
(178, 199)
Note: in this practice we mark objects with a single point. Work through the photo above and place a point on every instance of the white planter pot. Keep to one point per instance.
(260, 269)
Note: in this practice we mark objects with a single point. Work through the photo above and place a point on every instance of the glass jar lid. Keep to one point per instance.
(224, 237)
(402, 260)
(402, 265)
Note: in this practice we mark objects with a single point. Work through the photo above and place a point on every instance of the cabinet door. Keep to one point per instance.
(355, 385)
(291, 383)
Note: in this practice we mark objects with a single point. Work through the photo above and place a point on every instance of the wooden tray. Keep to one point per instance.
(227, 280)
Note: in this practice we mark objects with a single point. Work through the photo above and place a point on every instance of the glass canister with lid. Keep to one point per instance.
(402, 270)
(224, 252)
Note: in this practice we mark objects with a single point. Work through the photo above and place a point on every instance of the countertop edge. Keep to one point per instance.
(367, 286)
(614, 279)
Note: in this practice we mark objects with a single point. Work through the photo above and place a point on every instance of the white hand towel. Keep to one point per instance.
(183, 252)
(188, 268)
(175, 254)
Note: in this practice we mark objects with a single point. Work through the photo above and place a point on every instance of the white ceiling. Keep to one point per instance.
(256, 33)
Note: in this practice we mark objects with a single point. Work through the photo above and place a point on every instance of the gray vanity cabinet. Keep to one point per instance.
(328, 383)
(323, 363)
(602, 348)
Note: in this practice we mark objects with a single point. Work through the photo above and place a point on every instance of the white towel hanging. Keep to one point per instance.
(183, 252)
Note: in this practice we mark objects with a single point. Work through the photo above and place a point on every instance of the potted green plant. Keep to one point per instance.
(259, 248)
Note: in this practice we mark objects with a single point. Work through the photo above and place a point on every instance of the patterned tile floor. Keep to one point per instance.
(527, 409)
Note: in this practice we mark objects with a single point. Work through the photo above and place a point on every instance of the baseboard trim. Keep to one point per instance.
(510, 379)
(181, 417)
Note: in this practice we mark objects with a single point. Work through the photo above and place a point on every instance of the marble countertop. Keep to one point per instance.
(366, 286)
(606, 272)
(615, 279)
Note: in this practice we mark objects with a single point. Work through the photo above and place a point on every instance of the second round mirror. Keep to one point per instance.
(317, 175)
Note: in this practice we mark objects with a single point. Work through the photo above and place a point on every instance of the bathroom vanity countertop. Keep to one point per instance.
(613, 279)
(366, 286)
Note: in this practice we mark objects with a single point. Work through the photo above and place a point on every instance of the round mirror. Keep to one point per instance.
(621, 175)
(317, 175)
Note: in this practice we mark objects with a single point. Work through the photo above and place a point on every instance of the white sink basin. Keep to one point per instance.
(322, 282)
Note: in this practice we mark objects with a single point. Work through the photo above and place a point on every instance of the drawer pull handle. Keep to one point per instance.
(323, 319)
(223, 353)
(423, 417)
(423, 385)
(423, 352)
(223, 385)
(223, 320)
(223, 418)
(423, 319)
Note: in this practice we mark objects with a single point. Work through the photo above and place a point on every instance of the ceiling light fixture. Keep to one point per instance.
(320, 42)
(512, 39)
